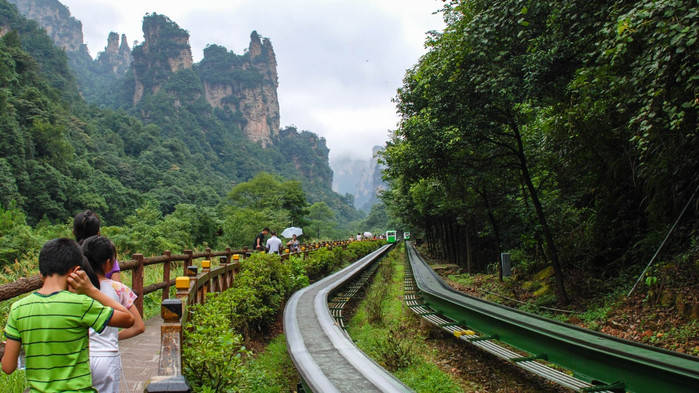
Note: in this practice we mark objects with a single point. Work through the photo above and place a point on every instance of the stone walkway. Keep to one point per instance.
(139, 356)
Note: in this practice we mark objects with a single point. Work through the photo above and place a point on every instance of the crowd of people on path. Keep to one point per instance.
(66, 334)
(366, 236)
(273, 245)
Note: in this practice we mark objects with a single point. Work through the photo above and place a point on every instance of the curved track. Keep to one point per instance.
(324, 355)
(592, 356)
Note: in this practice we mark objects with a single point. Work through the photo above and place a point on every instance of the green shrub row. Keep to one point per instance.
(213, 351)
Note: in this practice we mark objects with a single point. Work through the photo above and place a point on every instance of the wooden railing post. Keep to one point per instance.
(206, 286)
(182, 286)
(171, 312)
(192, 272)
(236, 268)
(137, 282)
(229, 275)
(170, 378)
(188, 262)
(166, 274)
(222, 279)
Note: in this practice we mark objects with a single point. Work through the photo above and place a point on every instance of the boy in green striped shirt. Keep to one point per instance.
(52, 323)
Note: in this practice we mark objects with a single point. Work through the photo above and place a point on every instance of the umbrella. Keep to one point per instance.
(288, 232)
(367, 234)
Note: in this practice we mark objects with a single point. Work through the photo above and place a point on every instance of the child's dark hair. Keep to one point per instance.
(58, 256)
(85, 224)
(97, 249)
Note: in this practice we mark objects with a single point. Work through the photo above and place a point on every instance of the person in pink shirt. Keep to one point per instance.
(86, 224)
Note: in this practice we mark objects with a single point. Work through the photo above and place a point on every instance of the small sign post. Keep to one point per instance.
(506, 265)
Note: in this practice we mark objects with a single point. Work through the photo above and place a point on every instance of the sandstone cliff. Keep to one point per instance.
(165, 51)
(95, 78)
(115, 58)
(245, 84)
(54, 17)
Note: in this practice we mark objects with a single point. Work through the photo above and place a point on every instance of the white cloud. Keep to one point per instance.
(339, 62)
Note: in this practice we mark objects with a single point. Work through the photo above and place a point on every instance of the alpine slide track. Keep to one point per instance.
(328, 361)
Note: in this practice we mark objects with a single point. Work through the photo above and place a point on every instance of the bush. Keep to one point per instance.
(214, 353)
(299, 276)
(16, 237)
(393, 351)
(319, 263)
(259, 290)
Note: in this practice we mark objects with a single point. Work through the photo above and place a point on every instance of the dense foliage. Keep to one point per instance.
(565, 132)
(264, 201)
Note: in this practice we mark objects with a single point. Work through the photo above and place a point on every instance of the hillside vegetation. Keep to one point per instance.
(563, 133)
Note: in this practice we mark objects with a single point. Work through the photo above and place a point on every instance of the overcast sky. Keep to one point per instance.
(339, 62)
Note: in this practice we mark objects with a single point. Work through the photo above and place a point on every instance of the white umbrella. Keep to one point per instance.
(289, 232)
(367, 234)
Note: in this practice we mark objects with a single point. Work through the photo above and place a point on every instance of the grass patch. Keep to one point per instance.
(13, 383)
(272, 371)
(463, 279)
(395, 340)
(426, 377)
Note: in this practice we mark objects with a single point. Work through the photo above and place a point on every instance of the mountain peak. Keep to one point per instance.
(55, 18)
(116, 58)
(165, 51)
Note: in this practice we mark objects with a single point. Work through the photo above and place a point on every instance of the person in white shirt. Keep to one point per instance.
(105, 359)
(274, 244)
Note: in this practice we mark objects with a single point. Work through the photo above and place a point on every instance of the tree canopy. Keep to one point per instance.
(565, 131)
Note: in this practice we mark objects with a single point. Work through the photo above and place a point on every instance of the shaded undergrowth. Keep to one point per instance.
(663, 311)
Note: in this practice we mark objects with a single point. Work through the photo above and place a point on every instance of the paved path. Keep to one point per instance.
(139, 356)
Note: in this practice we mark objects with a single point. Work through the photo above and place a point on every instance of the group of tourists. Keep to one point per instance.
(66, 334)
(365, 236)
(273, 245)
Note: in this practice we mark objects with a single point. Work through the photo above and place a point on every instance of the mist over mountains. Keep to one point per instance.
(360, 178)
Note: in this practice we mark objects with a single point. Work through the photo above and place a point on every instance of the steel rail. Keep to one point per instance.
(325, 357)
(592, 356)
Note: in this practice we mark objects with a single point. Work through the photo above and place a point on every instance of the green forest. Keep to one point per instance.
(562, 133)
(144, 166)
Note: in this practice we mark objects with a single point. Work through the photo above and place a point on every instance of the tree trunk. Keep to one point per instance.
(468, 249)
(496, 231)
(445, 237)
(456, 246)
(560, 287)
(447, 241)
(428, 236)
